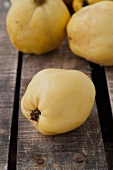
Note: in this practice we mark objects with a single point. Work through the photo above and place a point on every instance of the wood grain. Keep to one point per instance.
(8, 66)
(109, 77)
(77, 150)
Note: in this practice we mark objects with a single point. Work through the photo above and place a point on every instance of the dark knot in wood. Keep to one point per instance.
(80, 159)
(40, 161)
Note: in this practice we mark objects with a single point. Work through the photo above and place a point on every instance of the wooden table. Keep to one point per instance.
(89, 147)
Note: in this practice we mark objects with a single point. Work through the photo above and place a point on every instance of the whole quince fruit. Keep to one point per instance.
(37, 26)
(90, 33)
(57, 101)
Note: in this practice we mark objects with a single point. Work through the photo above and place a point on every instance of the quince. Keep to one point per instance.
(37, 26)
(57, 100)
(90, 33)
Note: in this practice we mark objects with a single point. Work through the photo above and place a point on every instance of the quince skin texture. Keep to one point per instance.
(37, 26)
(57, 100)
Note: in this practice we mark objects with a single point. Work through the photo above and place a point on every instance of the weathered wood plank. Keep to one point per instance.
(109, 154)
(109, 77)
(61, 152)
(8, 66)
(109, 145)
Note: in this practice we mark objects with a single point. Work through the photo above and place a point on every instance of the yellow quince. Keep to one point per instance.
(90, 33)
(57, 100)
(37, 26)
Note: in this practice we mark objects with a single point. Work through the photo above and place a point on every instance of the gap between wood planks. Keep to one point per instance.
(104, 110)
(103, 102)
(14, 128)
(103, 105)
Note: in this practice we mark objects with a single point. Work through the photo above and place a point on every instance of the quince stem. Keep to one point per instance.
(39, 2)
